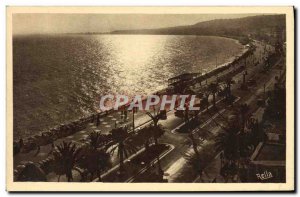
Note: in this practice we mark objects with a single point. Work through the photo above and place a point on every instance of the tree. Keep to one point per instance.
(244, 108)
(276, 105)
(227, 142)
(65, 157)
(234, 145)
(228, 82)
(94, 161)
(122, 142)
(97, 140)
(93, 157)
(198, 161)
(204, 102)
(157, 131)
(257, 133)
(144, 136)
(213, 88)
(31, 172)
(195, 142)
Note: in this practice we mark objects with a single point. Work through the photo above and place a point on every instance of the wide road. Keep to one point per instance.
(171, 136)
(174, 164)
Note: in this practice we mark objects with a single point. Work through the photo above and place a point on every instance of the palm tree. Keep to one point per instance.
(194, 143)
(213, 88)
(157, 131)
(201, 155)
(244, 108)
(199, 159)
(227, 142)
(97, 140)
(233, 144)
(32, 173)
(95, 161)
(204, 102)
(144, 136)
(65, 157)
(122, 142)
(197, 142)
(228, 82)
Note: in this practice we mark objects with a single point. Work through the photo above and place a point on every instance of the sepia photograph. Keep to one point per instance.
(150, 98)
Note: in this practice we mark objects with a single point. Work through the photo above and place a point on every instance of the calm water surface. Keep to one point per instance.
(59, 78)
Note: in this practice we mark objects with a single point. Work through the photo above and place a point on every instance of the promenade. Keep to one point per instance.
(175, 165)
(172, 159)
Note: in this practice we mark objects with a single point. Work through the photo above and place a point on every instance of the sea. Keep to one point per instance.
(59, 77)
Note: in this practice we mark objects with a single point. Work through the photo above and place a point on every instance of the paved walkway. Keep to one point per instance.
(212, 171)
(106, 124)
(174, 165)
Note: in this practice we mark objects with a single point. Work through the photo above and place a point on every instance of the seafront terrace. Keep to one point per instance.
(112, 120)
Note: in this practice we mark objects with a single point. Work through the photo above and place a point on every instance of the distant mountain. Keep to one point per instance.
(257, 25)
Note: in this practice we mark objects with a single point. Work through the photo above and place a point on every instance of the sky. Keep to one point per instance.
(82, 23)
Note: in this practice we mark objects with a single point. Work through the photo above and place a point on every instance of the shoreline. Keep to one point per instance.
(80, 123)
(50, 115)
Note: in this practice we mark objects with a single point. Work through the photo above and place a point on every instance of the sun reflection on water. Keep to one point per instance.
(133, 57)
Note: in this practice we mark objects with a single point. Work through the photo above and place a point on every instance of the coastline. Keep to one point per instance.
(45, 111)
(80, 123)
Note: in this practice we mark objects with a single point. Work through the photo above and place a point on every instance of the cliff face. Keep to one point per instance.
(262, 24)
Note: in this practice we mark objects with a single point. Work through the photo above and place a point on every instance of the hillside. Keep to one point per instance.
(260, 26)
